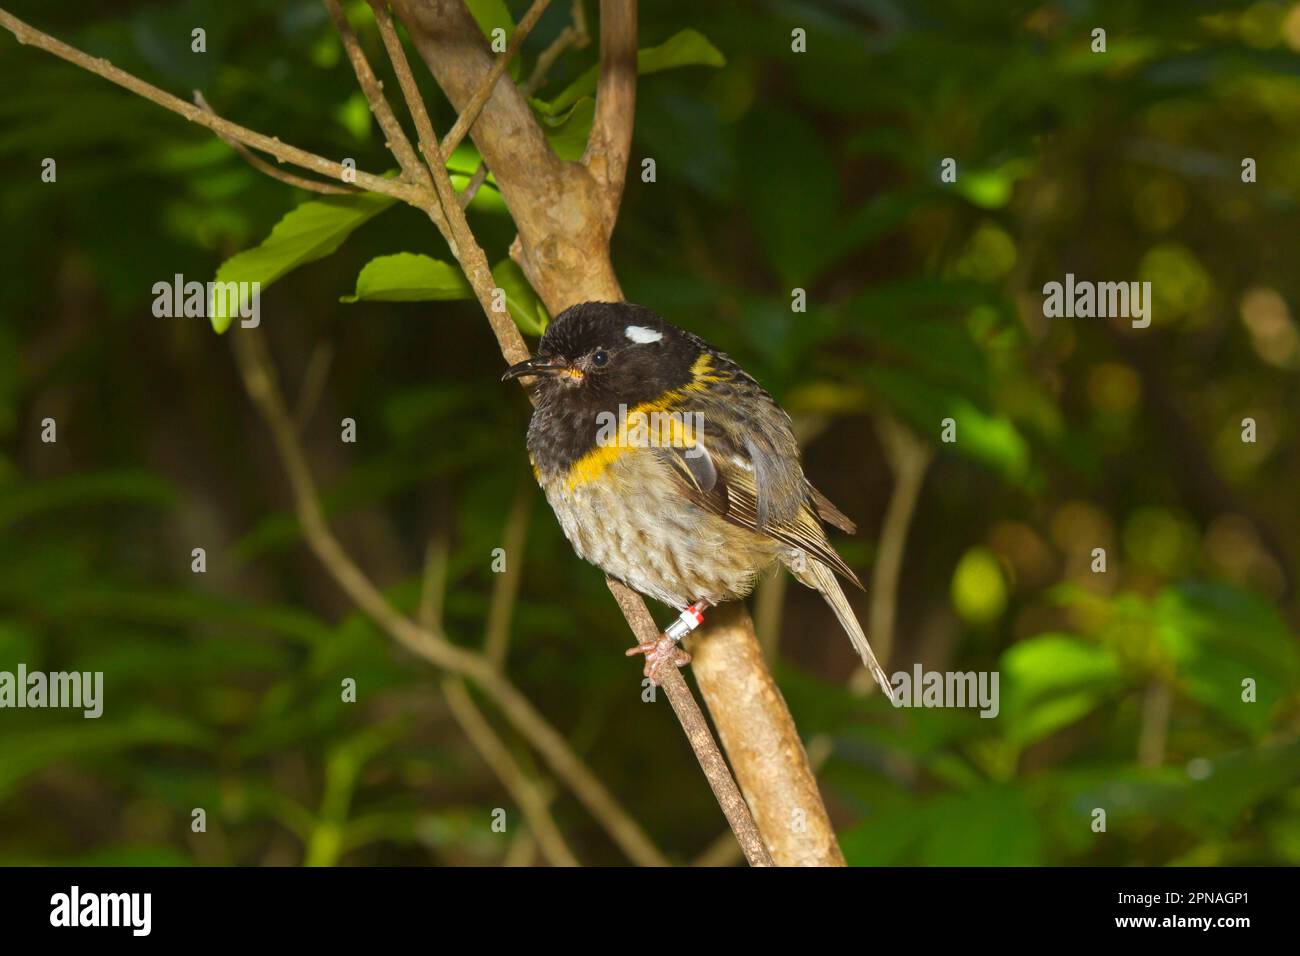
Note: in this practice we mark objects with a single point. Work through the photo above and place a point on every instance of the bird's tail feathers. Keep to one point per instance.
(823, 579)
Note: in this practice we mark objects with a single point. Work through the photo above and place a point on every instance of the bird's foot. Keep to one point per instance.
(662, 653)
(667, 650)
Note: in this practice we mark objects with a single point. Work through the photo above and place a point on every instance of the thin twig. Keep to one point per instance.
(474, 264)
(433, 588)
(262, 166)
(506, 589)
(473, 261)
(313, 382)
(26, 34)
(532, 801)
(472, 187)
(549, 838)
(260, 382)
(373, 90)
(470, 113)
(574, 35)
(909, 457)
(395, 137)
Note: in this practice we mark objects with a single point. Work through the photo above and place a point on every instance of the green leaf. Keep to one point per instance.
(987, 437)
(311, 231)
(568, 134)
(20, 501)
(491, 15)
(1052, 681)
(407, 277)
(1221, 635)
(990, 825)
(77, 743)
(523, 303)
(684, 48)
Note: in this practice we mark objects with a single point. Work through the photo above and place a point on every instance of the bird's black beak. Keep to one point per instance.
(537, 365)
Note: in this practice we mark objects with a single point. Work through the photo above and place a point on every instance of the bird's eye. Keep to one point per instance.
(599, 357)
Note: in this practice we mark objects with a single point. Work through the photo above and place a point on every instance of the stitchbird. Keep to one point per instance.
(672, 470)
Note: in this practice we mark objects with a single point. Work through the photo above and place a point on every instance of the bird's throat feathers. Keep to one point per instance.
(575, 438)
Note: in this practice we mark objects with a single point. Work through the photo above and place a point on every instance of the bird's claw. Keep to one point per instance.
(659, 654)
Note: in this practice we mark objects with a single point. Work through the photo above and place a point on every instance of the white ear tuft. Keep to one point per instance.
(641, 335)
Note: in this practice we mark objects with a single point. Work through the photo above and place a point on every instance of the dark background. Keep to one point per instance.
(776, 170)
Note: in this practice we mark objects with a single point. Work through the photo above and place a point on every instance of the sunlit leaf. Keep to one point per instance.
(312, 231)
(407, 277)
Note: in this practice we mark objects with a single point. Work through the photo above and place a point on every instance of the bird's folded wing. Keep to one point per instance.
(724, 484)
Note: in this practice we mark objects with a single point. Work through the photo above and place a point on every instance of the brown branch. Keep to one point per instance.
(272, 145)
(260, 382)
(470, 255)
(506, 591)
(472, 187)
(470, 111)
(503, 764)
(262, 166)
(373, 90)
(761, 740)
(909, 457)
(697, 731)
(474, 264)
(563, 215)
(532, 801)
(574, 35)
(610, 141)
(313, 382)
(563, 245)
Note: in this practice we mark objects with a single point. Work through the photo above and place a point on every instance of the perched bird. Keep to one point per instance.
(673, 471)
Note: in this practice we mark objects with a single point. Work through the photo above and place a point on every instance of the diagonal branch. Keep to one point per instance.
(474, 263)
(271, 145)
(455, 227)
(532, 800)
(909, 457)
(697, 731)
(263, 388)
(574, 35)
(470, 111)
(262, 166)
(373, 89)
(557, 206)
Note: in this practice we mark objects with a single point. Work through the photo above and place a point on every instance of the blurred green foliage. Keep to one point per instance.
(776, 170)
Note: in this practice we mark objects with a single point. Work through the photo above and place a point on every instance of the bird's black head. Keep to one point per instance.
(601, 354)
